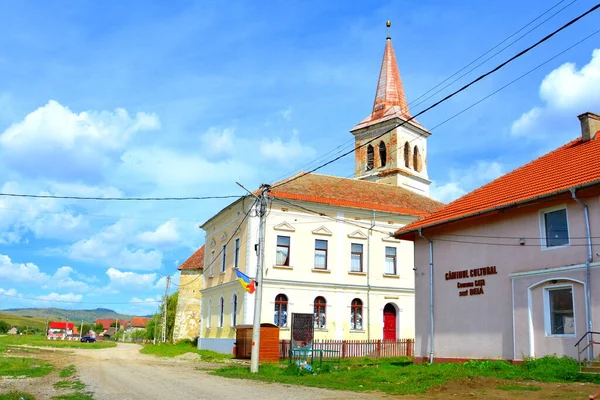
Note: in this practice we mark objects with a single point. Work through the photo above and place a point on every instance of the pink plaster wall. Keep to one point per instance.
(481, 326)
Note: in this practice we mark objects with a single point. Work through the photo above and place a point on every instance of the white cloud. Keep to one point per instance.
(61, 297)
(28, 273)
(130, 279)
(164, 235)
(566, 93)
(217, 143)
(286, 114)
(9, 292)
(285, 152)
(84, 143)
(465, 180)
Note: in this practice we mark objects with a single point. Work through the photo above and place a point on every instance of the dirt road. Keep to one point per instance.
(123, 373)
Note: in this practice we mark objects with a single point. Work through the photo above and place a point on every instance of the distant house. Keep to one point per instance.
(60, 329)
(110, 332)
(137, 323)
(106, 323)
(13, 331)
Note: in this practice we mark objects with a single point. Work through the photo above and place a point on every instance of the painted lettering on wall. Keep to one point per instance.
(474, 287)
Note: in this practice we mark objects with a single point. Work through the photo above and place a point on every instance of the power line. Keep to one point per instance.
(493, 55)
(42, 196)
(216, 257)
(393, 151)
(345, 144)
(498, 67)
(504, 244)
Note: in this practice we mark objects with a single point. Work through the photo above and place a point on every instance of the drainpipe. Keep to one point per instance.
(431, 333)
(588, 261)
(369, 277)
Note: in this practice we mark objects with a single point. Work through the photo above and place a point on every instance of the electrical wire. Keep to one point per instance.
(493, 55)
(209, 266)
(42, 196)
(393, 151)
(345, 144)
(446, 98)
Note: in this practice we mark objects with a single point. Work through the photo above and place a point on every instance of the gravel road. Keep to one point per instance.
(123, 373)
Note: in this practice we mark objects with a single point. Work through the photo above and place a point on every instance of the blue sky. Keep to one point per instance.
(185, 98)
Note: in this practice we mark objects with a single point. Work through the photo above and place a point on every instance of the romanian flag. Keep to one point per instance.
(247, 283)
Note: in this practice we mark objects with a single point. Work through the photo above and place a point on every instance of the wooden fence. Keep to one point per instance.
(358, 348)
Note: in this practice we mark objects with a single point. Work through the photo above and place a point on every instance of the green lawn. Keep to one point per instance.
(16, 396)
(173, 350)
(400, 377)
(37, 340)
(19, 366)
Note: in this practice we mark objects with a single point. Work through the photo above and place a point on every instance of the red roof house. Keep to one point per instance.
(138, 322)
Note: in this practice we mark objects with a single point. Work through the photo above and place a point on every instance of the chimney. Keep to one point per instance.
(590, 125)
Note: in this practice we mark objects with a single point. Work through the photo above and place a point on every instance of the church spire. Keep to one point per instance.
(390, 92)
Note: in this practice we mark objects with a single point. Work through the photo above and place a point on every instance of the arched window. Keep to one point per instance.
(280, 316)
(370, 157)
(234, 310)
(417, 160)
(356, 309)
(407, 155)
(382, 153)
(221, 311)
(208, 313)
(320, 312)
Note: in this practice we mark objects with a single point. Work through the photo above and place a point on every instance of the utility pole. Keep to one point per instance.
(164, 313)
(81, 330)
(262, 214)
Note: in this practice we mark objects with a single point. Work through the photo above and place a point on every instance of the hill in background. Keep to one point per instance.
(58, 314)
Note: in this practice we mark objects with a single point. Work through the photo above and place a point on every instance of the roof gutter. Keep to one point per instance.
(488, 210)
(431, 319)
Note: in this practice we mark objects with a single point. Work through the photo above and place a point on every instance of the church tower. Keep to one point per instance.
(399, 156)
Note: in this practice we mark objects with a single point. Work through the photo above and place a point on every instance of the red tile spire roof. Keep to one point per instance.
(390, 100)
(574, 165)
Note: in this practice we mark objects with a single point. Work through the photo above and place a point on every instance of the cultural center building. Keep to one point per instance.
(511, 270)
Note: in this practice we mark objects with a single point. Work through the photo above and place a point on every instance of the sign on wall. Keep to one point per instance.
(471, 287)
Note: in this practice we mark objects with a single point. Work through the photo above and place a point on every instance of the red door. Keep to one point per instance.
(389, 322)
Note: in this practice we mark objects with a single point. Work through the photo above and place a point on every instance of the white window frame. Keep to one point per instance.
(236, 254)
(542, 220)
(224, 259)
(221, 311)
(234, 308)
(208, 313)
(547, 322)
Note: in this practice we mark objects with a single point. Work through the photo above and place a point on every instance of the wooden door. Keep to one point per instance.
(389, 322)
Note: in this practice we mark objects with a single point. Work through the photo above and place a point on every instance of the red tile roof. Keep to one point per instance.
(106, 322)
(390, 100)
(138, 322)
(573, 165)
(196, 260)
(60, 325)
(354, 193)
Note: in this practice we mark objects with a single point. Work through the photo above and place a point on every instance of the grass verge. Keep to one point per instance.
(74, 385)
(16, 396)
(37, 340)
(177, 349)
(398, 377)
(20, 366)
(68, 371)
(75, 396)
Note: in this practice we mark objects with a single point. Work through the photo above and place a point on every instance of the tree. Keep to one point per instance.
(98, 328)
(171, 310)
(4, 326)
(85, 329)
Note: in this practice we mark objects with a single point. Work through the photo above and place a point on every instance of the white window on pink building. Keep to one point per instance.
(560, 316)
(554, 227)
